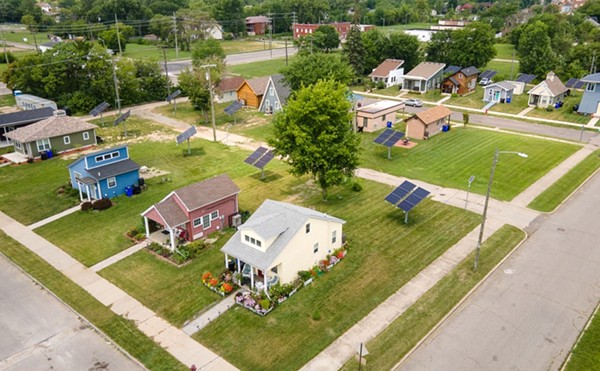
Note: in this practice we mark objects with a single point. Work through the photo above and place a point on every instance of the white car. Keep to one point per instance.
(413, 103)
(485, 81)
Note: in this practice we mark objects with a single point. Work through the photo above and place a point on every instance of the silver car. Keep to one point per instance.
(413, 102)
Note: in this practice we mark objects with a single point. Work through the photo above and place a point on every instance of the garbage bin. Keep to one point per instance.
(44, 155)
(129, 191)
(49, 153)
(508, 100)
(389, 124)
(445, 128)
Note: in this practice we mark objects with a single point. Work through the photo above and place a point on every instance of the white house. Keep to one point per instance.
(281, 239)
(500, 92)
(548, 92)
(389, 71)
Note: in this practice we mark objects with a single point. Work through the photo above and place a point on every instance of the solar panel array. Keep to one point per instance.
(452, 69)
(233, 107)
(571, 82)
(526, 78)
(260, 157)
(579, 84)
(173, 95)
(487, 74)
(389, 137)
(406, 196)
(186, 134)
(99, 109)
(122, 118)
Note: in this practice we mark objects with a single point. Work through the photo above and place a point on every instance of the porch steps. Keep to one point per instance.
(488, 106)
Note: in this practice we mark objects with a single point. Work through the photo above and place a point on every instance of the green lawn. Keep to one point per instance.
(18, 36)
(123, 332)
(245, 46)
(565, 113)
(259, 69)
(136, 128)
(384, 254)
(473, 100)
(392, 91)
(431, 96)
(408, 329)
(554, 195)
(518, 104)
(505, 51)
(7, 100)
(503, 69)
(586, 355)
(449, 159)
(153, 52)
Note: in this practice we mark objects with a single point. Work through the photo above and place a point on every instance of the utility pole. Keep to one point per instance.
(286, 52)
(593, 66)
(212, 103)
(115, 80)
(4, 44)
(270, 33)
(175, 33)
(294, 20)
(118, 37)
(512, 63)
(164, 49)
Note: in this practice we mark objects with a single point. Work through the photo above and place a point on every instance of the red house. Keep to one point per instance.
(342, 28)
(193, 212)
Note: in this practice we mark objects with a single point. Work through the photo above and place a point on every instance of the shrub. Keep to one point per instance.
(102, 204)
(380, 85)
(454, 95)
(265, 304)
(549, 108)
(86, 206)
(316, 316)
(357, 187)
(305, 275)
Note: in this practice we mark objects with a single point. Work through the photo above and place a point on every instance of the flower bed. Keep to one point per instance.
(182, 253)
(135, 234)
(223, 285)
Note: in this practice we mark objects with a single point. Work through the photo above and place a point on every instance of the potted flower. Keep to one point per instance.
(206, 277)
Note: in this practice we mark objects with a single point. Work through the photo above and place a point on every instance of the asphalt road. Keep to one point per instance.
(37, 332)
(528, 314)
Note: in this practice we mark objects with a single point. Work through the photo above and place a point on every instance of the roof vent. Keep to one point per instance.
(60, 112)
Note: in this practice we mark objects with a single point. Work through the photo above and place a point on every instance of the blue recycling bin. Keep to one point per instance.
(508, 100)
(389, 124)
(445, 128)
(49, 153)
(129, 191)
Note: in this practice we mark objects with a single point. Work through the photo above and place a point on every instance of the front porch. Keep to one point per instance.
(16, 157)
(165, 236)
(252, 277)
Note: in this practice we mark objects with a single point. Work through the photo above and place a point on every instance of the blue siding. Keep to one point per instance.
(589, 101)
(123, 181)
(271, 98)
(78, 167)
(91, 159)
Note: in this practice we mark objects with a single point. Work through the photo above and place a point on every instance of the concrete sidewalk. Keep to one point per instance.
(120, 256)
(210, 315)
(54, 217)
(173, 340)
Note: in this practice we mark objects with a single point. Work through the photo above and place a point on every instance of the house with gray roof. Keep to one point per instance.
(104, 174)
(548, 92)
(500, 92)
(279, 240)
(590, 102)
(55, 134)
(463, 81)
(14, 120)
(275, 96)
(193, 212)
(424, 77)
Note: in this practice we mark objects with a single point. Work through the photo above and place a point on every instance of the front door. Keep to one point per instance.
(497, 96)
(94, 192)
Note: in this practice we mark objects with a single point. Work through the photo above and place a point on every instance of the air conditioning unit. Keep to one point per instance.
(236, 220)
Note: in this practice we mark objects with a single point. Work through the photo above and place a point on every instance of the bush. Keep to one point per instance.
(102, 204)
(357, 187)
(265, 304)
(454, 95)
(549, 108)
(86, 206)
(316, 316)
(304, 275)
(380, 85)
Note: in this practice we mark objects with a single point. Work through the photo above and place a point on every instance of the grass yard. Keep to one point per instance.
(407, 330)
(18, 36)
(392, 91)
(384, 254)
(137, 128)
(503, 68)
(7, 100)
(517, 104)
(123, 332)
(553, 196)
(431, 96)
(259, 69)
(586, 355)
(473, 100)
(565, 113)
(245, 46)
(505, 51)
(449, 159)
(153, 52)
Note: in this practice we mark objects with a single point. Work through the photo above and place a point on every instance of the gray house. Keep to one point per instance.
(589, 104)
(424, 77)
(500, 92)
(275, 96)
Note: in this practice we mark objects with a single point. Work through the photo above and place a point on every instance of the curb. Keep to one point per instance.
(587, 325)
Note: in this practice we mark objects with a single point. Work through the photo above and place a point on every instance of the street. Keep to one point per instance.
(528, 313)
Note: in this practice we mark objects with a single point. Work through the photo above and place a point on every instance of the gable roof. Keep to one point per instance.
(272, 219)
(470, 71)
(384, 69)
(113, 169)
(595, 77)
(170, 212)
(49, 128)
(504, 85)
(425, 70)
(258, 84)
(453, 80)
(230, 83)
(257, 19)
(433, 114)
(206, 192)
(553, 83)
(101, 151)
(25, 117)
(281, 87)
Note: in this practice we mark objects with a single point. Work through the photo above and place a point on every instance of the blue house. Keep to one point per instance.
(275, 96)
(103, 174)
(589, 104)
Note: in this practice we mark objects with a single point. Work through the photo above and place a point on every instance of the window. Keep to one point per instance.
(258, 243)
(333, 236)
(107, 156)
(308, 228)
(206, 221)
(247, 238)
(111, 182)
(86, 135)
(76, 175)
(67, 139)
(590, 87)
(316, 247)
(43, 145)
(460, 75)
(214, 215)
(277, 106)
(383, 118)
(198, 222)
(18, 145)
(271, 91)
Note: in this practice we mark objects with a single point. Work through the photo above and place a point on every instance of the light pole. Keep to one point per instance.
(212, 103)
(115, 80)
(471, 179)
(487, 200)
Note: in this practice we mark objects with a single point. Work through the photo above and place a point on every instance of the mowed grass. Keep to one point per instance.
(123, 332)
(7, 100)
(431, 96)
(154, 52)
(586, 355)
(518, 103)
(259, 69)
(505, 51)
(503, 68)
(408, 329)
(473, 100)
(553, 196)
(449, 159)
(136, 129)
(384, 254)
(564, 113)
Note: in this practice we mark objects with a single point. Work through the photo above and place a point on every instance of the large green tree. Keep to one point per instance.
(308, 69)
(354, 50)
(313, 134)
(230, 13)
(326, 38)
(194, 85)
(405, 47)
(535, 51)
(471, 46)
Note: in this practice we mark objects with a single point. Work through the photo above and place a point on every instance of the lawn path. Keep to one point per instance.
(210, 315)
(173, 340)
(54, 217)
(120, 256)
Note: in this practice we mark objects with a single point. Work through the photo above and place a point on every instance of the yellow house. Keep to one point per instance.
(281, 239)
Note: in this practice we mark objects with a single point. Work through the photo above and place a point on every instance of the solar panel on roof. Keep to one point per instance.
(393, 139)
(525, 78)
(452, 69)
(579, 84)
(387, 133)
(571, 82)
(233, 107)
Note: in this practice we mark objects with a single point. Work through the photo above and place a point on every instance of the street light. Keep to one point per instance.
(487, 200)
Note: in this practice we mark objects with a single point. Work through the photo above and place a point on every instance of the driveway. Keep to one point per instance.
(530, 311)
(41, 333)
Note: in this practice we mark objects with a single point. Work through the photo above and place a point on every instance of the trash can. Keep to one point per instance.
(44, 155)
(49, 153)
(389, 124)
(445, 128)
(129, 191)
(508, 100)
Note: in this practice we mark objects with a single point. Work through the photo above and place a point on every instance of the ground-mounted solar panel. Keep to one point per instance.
(406, 206)
(381, 138)
(400, 192)
(571, 82)
(421, 193)
(233, 107)
(484, 74)
(173, 95)
(525, 78)
(407, 186)
(254, 156)
(186, 134)
(452, 69)
(579, 84)
(391, 141)
(393, 198)
(264, 160)
(122, 118)
(99, 109)
(491, 74)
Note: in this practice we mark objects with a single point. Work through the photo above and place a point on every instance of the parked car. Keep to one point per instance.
(485, 81)
(413, 102)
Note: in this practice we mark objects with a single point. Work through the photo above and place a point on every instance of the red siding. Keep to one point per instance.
(226, 208)
(154, 215)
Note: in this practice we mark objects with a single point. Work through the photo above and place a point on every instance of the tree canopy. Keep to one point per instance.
(313, 134)
(396, 45)
(326, 38)
(354, 50)
(307, 69)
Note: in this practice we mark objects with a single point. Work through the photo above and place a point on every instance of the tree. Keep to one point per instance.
(194, 85)
(326, 38)
(535, 52)
(354, 50)
(471, 46)
(162, 26)
(376, 45)
(313, 134)
(405, 47)
(230, 13)
(308, 69)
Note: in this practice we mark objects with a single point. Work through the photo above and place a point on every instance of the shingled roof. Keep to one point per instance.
(206, 192)
(25, 117)
(49, 128)
(383, 70)
(258, 84)
(230, 83)
(433, 114)
(425, 70)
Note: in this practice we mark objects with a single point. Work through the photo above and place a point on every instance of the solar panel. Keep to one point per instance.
(452, 69)
(99, 109)
(406, 206)
(255, 155)
(186, 134)
(484, 74)
(400, 192)
(526, 78)
(571, 82)
(264, 160)
(491, 74)
(421, 193)
(393, 139)
(387, 133)
(233, 107)
(407, 185)
(122, 118)
(579, 84)
(393, 198)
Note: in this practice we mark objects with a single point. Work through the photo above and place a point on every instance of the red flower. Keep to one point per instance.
(213, 282)
(227, 287)
(340, 254)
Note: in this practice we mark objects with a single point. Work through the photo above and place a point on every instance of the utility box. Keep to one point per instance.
(28, 102)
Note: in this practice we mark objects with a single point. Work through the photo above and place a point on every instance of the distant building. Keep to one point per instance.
(257, 25)
(342, 28)
(445, 24)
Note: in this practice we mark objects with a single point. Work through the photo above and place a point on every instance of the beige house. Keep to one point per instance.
(279, 240)
(375, 116)
(548, 92)
(425, 124)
